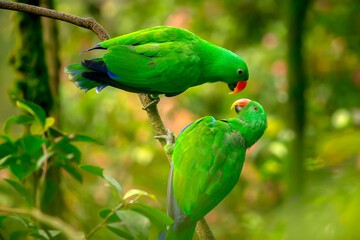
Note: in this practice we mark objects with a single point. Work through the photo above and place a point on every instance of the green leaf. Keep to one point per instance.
(114, 183)
(139, 193)
(31, 143)
(72, 170)
(99, 171)
(96, 170)
(20, 235)
(6, 138)
(6, 149)
(41, 234)
(82, 138)
(21, 166)
(114, 218)
(156, 216)
(22, 191)
(53, 233)
(11, 224)
(37, 129)
(137, 224)
(120, 229)
(54, 133)
(3, 218)
(21, 119)
(49, 122)
(35, 110)
(65, 148)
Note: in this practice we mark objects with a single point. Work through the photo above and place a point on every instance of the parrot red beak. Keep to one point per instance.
(239, 87)
(241, 102)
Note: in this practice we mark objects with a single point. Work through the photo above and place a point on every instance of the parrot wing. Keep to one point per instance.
(155, 60)
(151, 35)
(207, 162)
(169, 67)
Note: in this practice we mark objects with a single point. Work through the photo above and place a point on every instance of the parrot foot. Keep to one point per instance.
(153, 102)
(169, 138)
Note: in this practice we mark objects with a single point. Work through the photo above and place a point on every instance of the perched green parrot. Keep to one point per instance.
(208, 156)
(159, 60)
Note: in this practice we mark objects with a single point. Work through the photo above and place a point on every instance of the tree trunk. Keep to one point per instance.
(32, 83)
(51, 33)
(297, 86)
(297, 117)
(28, 59)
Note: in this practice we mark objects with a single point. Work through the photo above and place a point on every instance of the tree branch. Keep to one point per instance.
(50, 221)
(88, 23)
(155, 120)
(202, 228)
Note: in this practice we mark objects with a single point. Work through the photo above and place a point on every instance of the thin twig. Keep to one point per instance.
(94, 26)
(50, 221)
(95, 229)
(42, 178)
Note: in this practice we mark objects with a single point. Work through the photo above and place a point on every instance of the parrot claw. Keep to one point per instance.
(153, 102)
(169, 138)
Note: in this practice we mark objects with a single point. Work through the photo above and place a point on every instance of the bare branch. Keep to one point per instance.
(202, 228)
(88, 23)
(155, 119)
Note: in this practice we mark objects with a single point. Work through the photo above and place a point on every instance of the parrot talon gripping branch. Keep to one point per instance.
(207, 160)
(153, 102)
(169, 137)
(159, 60)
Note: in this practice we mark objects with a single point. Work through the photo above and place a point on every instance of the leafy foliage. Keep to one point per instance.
(41, 147)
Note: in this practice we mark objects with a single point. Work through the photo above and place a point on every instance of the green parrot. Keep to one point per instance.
(208, 156)
(159, 60)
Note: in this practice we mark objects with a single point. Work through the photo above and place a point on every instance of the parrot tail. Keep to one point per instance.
(185, 233)
(77, 74)
(183, 227)
(94, 74)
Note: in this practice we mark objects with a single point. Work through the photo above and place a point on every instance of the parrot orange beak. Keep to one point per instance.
(239, 87)
(241, 102)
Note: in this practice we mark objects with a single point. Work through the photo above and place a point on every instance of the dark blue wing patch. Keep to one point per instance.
(185, 128)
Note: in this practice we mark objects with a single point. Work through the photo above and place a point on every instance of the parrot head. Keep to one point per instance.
(238, 75)
(225, 66)
(252, 117)
(249, 110)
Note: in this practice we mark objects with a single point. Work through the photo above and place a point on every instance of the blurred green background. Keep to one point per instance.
(258, 207)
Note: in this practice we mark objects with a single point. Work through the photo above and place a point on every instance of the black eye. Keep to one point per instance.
(240, 71)
(255, 108)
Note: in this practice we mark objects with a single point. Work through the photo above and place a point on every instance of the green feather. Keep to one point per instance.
(208, 158)
(185, 234)
(165, 60)
(74, 74)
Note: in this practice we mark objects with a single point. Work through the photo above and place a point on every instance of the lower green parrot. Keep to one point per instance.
(208, 157)
(159, 60)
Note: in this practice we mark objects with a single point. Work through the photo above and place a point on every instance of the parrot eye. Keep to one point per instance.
(255, 108)
(240, 71)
